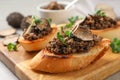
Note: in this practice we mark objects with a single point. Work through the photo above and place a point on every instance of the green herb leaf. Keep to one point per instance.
(68, 33)
(12, 47)
(36, 20)
(73, 19)
(68, 25)
(60, 37)
(62, 29)
(100, 13)
(115, 45)
(33, 17)
(50, 20)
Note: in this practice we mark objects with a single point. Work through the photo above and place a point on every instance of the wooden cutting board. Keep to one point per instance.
(18, 63)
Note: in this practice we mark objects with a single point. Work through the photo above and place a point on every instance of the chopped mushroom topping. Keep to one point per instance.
(97, 22)
(72, 45)
(69, 43)
(37, 29)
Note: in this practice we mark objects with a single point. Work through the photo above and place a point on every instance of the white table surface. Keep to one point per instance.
(28, 7)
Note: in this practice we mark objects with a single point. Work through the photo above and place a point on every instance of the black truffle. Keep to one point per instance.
(14, 19)
(24, 23)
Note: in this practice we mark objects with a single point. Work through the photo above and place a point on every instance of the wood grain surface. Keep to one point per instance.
(18, 63)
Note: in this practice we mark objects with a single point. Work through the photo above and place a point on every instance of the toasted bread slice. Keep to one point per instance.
(49, 62)
(38, 44)
(109, 33)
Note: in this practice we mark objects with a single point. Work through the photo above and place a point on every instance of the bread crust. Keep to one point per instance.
(109, 33)
(49, 62)
(38, 44)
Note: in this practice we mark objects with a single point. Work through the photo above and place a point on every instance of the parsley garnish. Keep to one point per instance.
(71, 21)
(60, 37)
(100, 13)
(12, 47)
(115, 45)
(68, 25)
(49, 20)
(36, 20)
(68, 33)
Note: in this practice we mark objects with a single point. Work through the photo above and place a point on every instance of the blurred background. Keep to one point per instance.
(28, 7)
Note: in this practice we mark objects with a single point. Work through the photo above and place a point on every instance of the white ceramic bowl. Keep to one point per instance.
(57, 16)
